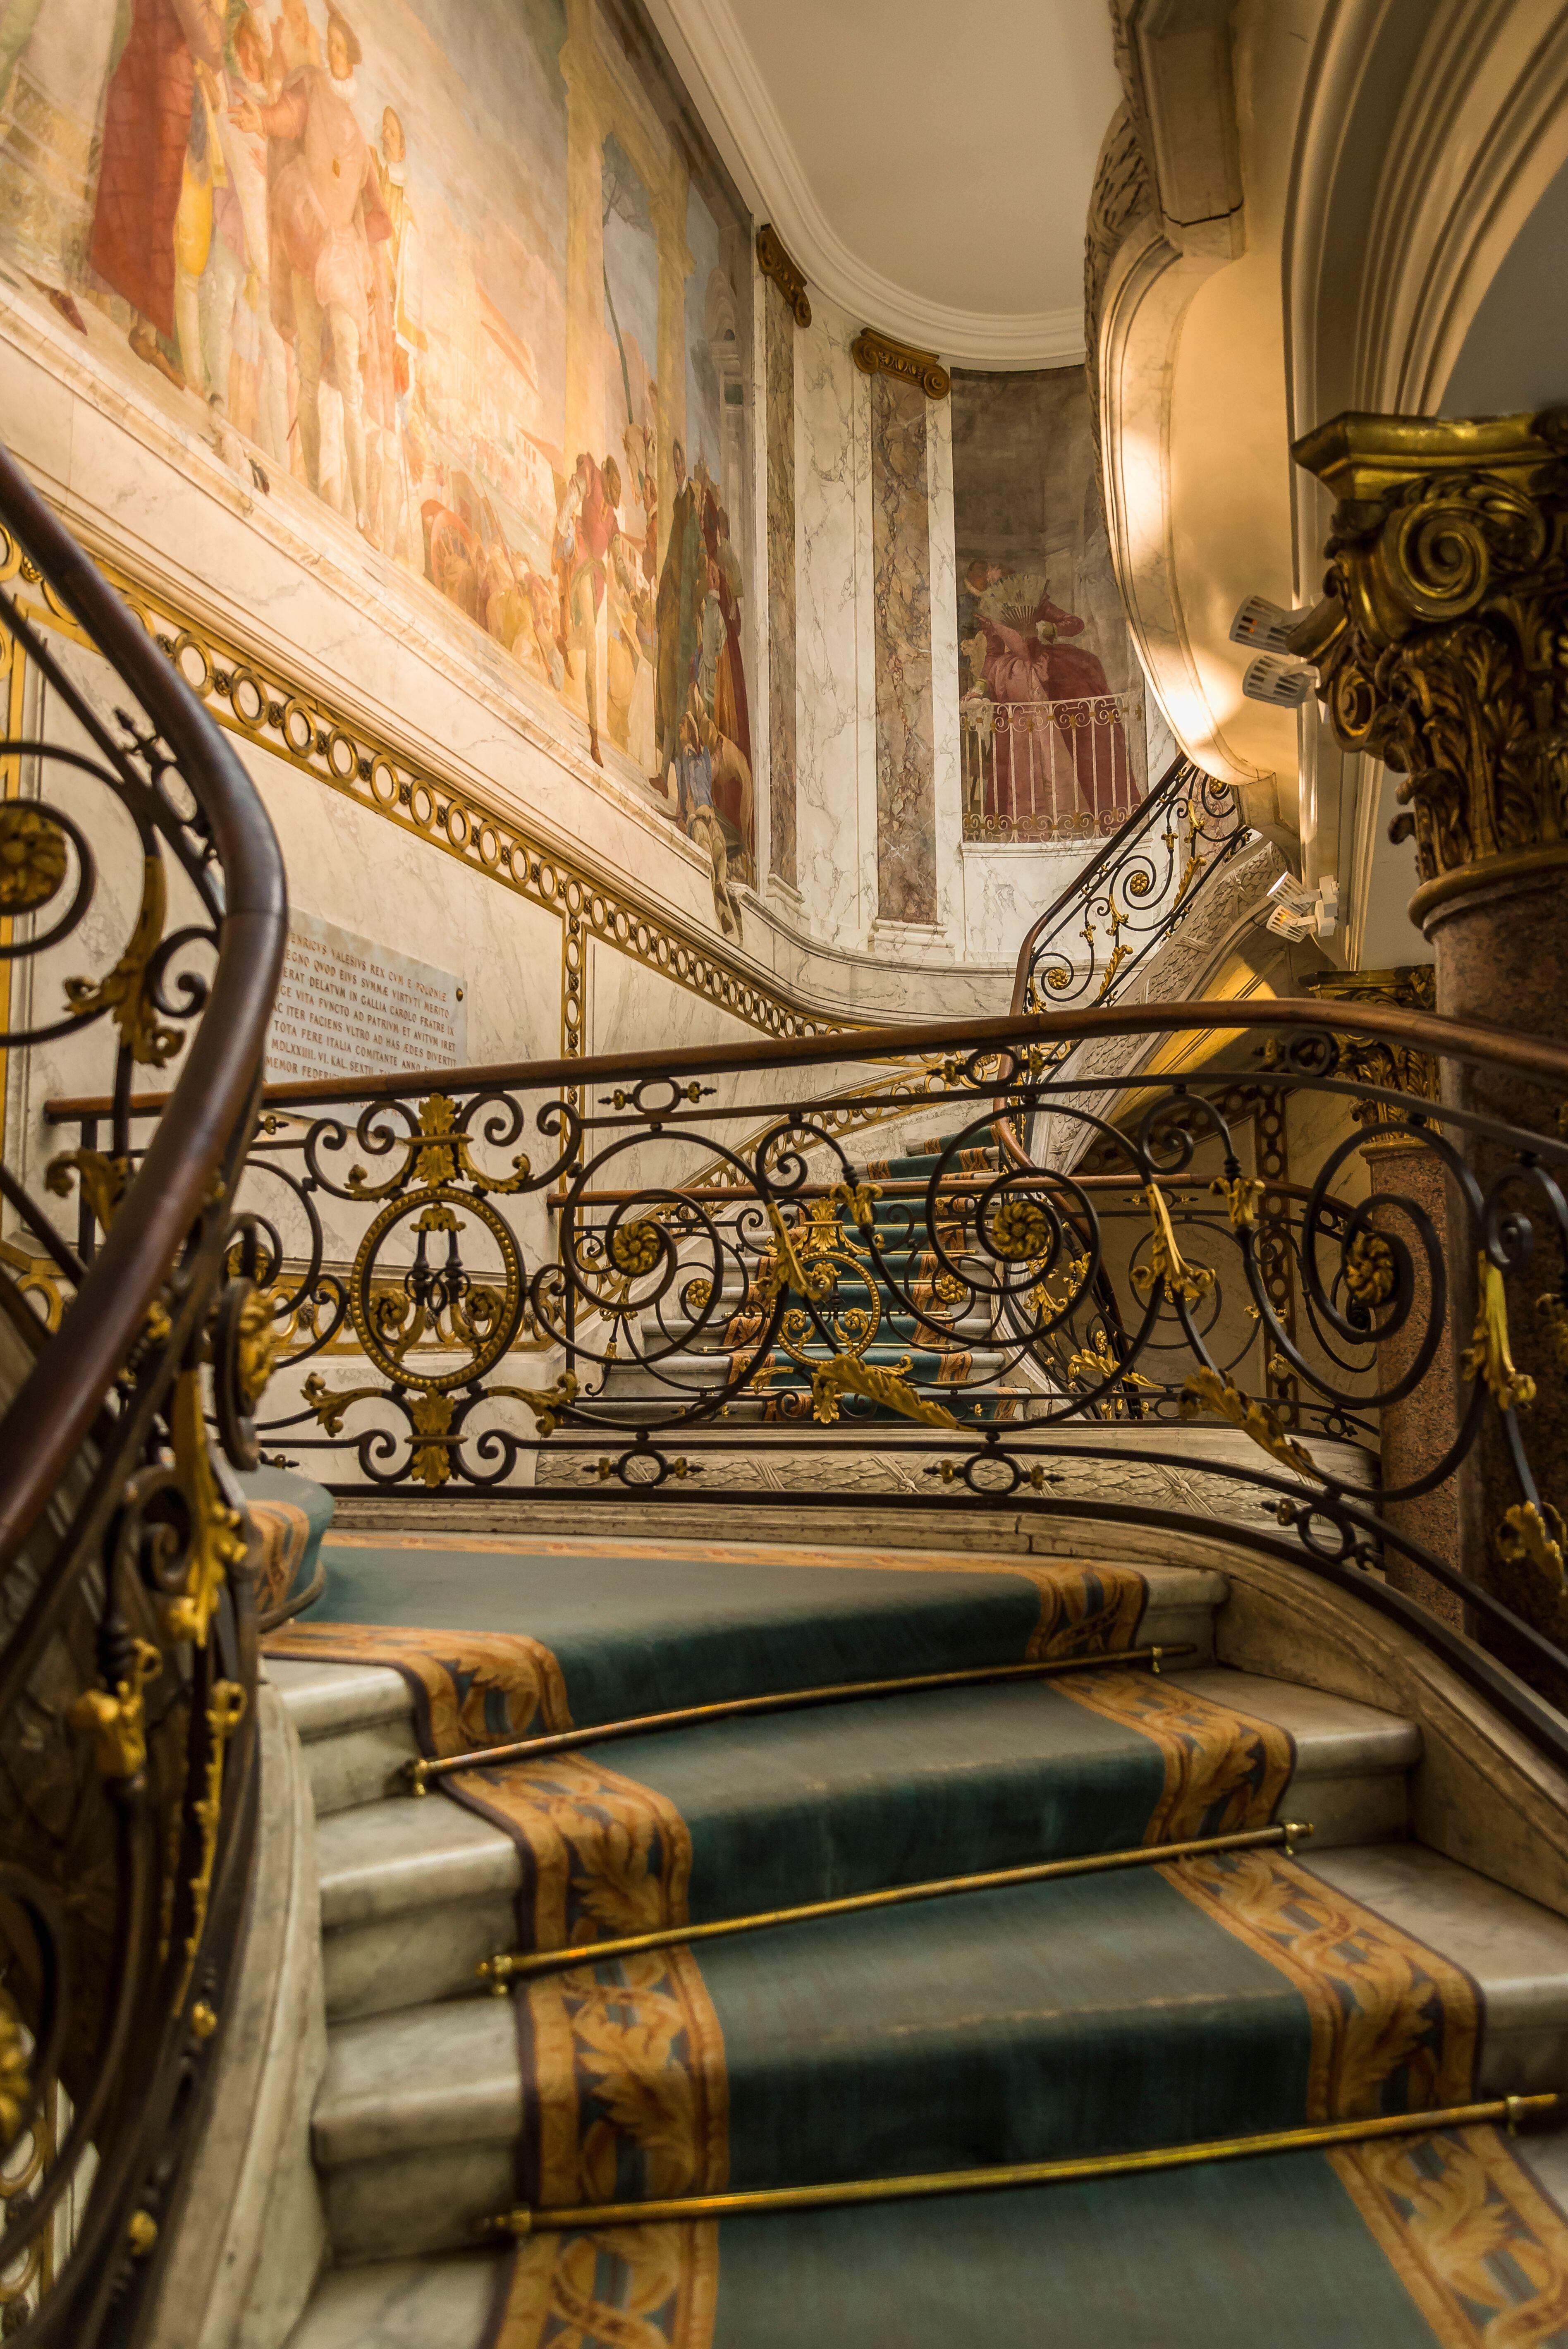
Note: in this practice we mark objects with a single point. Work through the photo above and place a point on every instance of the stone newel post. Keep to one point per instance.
(1443, 650)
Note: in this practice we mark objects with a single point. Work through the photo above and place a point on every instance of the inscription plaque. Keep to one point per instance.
(349, 1008)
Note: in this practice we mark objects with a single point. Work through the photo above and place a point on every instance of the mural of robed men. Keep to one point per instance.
(678, 612)
(146, 132)
(326, 210)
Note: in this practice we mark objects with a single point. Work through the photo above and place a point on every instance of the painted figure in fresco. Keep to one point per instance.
(694, 805)
(325, 212)
(586, 527)
(245, 363)
(683, 591)
(400, 259)
(1019, 658)
(155, 177)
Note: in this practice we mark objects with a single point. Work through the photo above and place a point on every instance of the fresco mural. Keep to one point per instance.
(448, 268)
(1049, 685)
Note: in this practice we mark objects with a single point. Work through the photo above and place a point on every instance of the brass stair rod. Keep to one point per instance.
(516, 1965)
(1510, 2110)
(691, 1716)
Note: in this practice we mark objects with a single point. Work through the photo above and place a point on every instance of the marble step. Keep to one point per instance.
(416, 2126)
(355, 1721)
(413, 1894)
(912, 2271)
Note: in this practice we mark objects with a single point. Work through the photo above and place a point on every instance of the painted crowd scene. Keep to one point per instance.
(446, 267)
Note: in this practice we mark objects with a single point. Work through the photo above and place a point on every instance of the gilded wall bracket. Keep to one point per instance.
(876, 354)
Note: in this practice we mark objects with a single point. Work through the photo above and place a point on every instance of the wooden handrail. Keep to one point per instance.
(57, 1403)
(1423, 1031)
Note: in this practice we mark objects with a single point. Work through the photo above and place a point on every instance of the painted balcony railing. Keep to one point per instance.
(142, 910)
(1049, 770)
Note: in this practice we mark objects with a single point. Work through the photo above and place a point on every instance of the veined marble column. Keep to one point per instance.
(1442, 648)
(780, 406)
(901, 593)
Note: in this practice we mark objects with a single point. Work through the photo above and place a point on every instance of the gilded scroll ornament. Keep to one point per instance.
(775, 263)
(256, 1348)
(1018, 1230)
(437, 1155)
(115, 1718)
(225, 1710)
(846, 1374)
(1441, 646)
(1369, 1270)
(546, 1403)
(1242, 1195)
(216, 1535)
(128, 992)
(1555, 1314)
(103, 1181)
(16, 2075)
(1207, 1390)
(1486, 1357)
(32, 857)
(635, 1249)
(1534, 1535)
(782, 1266)
(876, 354)
(858, 1200)
(1183, 1283)
(432, 1418)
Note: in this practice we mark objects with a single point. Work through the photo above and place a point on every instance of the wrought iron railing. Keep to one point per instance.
(141, 896)
(543, 1295)
(1128, 900)
(1049, 770)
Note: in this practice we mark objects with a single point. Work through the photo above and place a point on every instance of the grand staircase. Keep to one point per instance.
(884, 1295)
(1239, 1989)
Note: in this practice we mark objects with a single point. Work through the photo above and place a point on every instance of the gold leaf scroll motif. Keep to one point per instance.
(31, 858)
(1486, 1357)
(881, 1386)
(225, 1710)
(116, 1719)
(1536, 1535)
(1207, 1390)
(127, 991)
(1184, 1283)
(783, 1267)
(15, 2080)
(103, 1181)
(217, 1538)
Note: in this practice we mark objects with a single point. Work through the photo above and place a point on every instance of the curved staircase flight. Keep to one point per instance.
(1242, 1989)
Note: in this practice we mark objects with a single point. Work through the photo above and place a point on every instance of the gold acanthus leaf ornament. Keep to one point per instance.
(257, 1343)
(104, 1181)
(127, 992)
(546, 1403)
(216, 1534)
(1486, 1357)
(781, 1268)
(32, 857)
(1554, 1313)
(225, 1710)
(115, 1718)
(887, 1387)
(1207, 1390)
(1533, 1534)
(16, 2075)
(1243, 1195)
(1183, 1283)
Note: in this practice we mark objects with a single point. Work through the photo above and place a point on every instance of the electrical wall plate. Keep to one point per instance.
(1286, 684)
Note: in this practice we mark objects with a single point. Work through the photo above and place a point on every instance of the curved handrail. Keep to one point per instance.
(1471, 1040)
(56, 1404)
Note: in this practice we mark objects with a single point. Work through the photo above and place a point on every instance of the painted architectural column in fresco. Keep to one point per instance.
(779, 403)
(901, 594)
(676, 265)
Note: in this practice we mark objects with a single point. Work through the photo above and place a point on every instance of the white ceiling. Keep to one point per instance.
(928, 163)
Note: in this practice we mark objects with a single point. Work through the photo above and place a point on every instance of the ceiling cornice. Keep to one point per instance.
(710, 54)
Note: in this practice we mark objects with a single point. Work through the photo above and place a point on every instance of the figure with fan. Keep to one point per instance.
(1059, 750)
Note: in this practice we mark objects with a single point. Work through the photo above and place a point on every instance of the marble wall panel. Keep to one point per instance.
(781, 685)
(901, 593)
(947, 774)
(831, 477)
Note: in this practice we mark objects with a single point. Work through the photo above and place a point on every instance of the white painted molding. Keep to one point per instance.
(710, 53)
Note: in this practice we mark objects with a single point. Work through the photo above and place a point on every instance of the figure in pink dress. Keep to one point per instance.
(1022, 660)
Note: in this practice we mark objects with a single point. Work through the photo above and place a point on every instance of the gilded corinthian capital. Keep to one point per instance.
(1441, 645)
